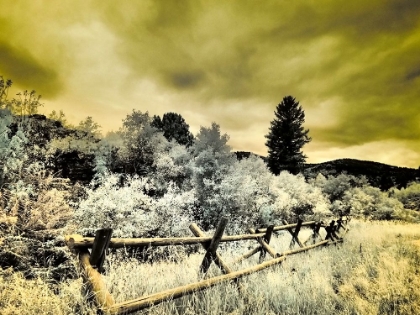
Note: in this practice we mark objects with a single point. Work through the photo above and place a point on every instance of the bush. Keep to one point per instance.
(410, 196)
(130, 211)
(368, 201)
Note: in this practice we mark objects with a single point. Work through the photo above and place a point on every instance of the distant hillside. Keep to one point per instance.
(379, 175)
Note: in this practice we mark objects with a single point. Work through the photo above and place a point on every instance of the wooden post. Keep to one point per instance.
(103, 298)
(265, 246)
(331, 231)
(267, 239)
(340, 224)
(315, 235)
(100, 245)
(217, 258)
(295, 233)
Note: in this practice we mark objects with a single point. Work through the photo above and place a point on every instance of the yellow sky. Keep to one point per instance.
(353, 65)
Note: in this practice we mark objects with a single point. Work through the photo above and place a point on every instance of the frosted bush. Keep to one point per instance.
(130, 211)
(38, 200)
(126, 209)
(409, 196)
(294, 197)
(174, 210)
(336, 186)
(370, 202)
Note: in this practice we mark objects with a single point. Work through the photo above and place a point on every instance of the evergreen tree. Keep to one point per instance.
(286, 137)
(173, 126)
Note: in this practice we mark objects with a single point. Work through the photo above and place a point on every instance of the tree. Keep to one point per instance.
(286, 137)
(211, 162)
(174, 127)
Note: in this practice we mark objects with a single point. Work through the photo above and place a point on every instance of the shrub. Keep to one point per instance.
(130, 211)
(410, 196)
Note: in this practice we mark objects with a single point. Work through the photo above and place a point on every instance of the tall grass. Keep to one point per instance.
(375, 271)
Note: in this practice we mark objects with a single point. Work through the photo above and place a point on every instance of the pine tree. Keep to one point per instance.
(173, 126)
(286, 137)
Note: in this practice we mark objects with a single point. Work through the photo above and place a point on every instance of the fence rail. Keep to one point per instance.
(92, 262)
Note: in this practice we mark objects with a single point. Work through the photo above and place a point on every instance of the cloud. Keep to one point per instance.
(27, 71)
(352, 65)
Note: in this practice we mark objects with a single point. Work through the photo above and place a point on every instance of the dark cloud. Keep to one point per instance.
(413, 74)
(352, 64)
(27, 72)
(186, 80)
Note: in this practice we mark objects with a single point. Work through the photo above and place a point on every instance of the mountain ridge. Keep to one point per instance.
(378, 174)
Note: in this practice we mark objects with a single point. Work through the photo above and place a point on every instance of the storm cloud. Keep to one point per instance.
(353, 66)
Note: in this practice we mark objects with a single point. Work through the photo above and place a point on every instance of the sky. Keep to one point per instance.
(354, 66)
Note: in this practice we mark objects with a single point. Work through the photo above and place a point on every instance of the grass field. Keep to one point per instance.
(375, 271)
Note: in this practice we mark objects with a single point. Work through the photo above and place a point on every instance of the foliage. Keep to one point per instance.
(336, 186)
(171, 165)
(211, 161)
(37, 199)
(139, 143)
(286, 137)
(369, 202)
(294, 198)
(243, 195)
(129, 210)
(60, 117)
(174, 127)
(410, 196)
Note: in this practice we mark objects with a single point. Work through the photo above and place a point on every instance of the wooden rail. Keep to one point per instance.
(91, 263)
(78, 241)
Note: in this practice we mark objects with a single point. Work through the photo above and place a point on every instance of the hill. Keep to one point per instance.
(378, 174)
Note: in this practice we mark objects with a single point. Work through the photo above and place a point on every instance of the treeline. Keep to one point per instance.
(152, 177)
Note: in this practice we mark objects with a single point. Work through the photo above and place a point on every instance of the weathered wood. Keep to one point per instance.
(331, 231)
(302, 249)
(154, 299)
(78, 241)
(315, 234)
(218, 259)
(211, 250)
(247, 255)
(100, 245)
(103, 298)
(267, 239)
(157, 298)
(295, 237)
(285, 227)
(265, 246)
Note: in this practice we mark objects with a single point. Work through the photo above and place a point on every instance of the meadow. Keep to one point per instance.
(374, 271)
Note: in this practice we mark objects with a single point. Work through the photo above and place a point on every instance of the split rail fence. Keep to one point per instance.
(92, 262)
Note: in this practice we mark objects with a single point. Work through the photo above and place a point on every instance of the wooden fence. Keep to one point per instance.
(92, 262)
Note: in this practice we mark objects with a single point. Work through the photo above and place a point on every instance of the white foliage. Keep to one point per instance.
(293, 196)
(370, 202)
(129, 211)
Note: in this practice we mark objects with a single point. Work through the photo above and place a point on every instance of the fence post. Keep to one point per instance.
(315, 228)
(211, 250)
(100, 245)
(267, 239)
(331, 231)
(264, 245)
(295, 238)
(211, 254)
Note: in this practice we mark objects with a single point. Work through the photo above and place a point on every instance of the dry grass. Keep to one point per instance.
(375, 271)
